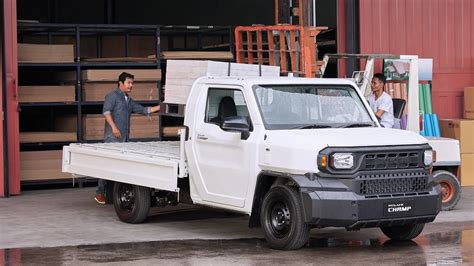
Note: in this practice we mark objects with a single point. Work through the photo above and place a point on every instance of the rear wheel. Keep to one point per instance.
(282, 219)
(403, 233)
(450, 189)
(131, 202)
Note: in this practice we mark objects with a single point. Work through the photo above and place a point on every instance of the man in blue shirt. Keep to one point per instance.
(117, 109)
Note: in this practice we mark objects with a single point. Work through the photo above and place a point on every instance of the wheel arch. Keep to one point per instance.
(265, 180)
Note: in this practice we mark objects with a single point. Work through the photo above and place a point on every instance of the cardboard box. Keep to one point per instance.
(467, 169)
(45, 53)
(141, 91)
(41, 94)
(460, 129)
(469, 102)
(42, 165)
(140, 126)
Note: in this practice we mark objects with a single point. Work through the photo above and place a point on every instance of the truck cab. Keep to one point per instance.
(292, 153)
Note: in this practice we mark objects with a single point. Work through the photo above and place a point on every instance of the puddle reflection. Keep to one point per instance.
(456, 247)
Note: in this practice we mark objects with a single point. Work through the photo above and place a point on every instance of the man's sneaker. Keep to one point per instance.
(100, 198)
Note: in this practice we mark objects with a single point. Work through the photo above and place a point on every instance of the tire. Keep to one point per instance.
(450, 189)
(131, 202)
(403, 233)
(282, 219)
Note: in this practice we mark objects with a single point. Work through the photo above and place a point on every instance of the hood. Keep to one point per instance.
(296, 151)
(344, 137)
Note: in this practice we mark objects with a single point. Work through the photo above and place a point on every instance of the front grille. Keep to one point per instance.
(376, 184)
(392, 160)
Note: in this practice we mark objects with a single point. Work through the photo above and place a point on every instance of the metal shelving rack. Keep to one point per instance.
(49, 31)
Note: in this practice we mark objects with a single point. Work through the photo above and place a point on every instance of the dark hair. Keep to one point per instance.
(381, 77)
(124, 76)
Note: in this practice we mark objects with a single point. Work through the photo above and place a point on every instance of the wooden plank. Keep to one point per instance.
(120, 59)
(32, 137)
(196, 55)
(171, 131)
(140, 126)
(41, 165)
(141, 91)
(45, 53)
(112, 74)
(29, 94)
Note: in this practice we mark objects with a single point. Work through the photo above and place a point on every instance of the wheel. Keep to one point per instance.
(450, 189)
(403, 233)
(131, 202)
(282, 219)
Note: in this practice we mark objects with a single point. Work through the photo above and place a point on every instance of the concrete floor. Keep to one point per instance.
(70, 217)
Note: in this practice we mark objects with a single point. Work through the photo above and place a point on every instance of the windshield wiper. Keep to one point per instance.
(359, 125)
(313, 126)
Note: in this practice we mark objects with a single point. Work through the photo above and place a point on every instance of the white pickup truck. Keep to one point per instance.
(292, 153)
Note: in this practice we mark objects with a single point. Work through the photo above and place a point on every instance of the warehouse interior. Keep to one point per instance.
(61, 106)
(91, 39)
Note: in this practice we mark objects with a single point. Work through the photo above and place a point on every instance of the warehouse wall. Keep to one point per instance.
(438, 29)
(183, 12)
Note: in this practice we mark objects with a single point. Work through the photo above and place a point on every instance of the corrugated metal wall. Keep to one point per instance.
(438, 29)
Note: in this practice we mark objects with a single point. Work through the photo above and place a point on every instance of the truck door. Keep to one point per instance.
(220, 155)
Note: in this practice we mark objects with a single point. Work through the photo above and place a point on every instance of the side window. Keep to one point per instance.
(222, 103)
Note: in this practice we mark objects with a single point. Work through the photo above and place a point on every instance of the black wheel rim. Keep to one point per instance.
(279, 219)
(126, 197)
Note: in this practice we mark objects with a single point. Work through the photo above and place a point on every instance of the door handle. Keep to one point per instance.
(201, 136)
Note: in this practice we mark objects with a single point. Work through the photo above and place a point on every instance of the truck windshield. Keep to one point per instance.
(310, 106)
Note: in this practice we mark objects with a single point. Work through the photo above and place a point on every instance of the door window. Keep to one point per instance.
(222, 103)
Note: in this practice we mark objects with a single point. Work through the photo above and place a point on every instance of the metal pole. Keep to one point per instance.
(314, 13)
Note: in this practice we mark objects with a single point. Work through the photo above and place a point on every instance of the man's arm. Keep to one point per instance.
(110, 121)
(140, 109)
(379, 113)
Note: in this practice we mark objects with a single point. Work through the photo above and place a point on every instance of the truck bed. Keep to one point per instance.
(150, 164)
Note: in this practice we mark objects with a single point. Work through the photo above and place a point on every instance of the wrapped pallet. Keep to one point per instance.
(181, 74)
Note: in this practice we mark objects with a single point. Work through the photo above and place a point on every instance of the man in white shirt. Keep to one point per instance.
(380, 102)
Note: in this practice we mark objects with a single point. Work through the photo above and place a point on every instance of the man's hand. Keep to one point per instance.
(116, 132)
(154, 109)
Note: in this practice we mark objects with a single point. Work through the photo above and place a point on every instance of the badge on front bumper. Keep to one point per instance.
(398, 208)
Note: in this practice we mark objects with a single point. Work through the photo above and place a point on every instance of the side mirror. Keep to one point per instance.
(237, 124)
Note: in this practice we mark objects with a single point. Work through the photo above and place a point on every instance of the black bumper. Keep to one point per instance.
(335, 208)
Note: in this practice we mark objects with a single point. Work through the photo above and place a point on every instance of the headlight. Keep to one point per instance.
(342, 160)
(428, 157)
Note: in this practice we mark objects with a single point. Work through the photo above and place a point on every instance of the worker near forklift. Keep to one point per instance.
(117, 109)
(380, 102)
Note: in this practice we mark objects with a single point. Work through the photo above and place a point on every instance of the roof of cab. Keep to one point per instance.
(273, 80)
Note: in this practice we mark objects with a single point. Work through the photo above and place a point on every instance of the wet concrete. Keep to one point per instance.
(442, 243)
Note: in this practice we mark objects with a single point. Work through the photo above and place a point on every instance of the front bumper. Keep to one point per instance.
(324, 208)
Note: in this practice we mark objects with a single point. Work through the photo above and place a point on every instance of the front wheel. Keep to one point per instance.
(282, 219)
(131, 202)
(403, 233)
